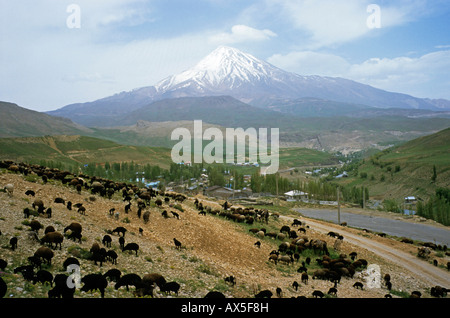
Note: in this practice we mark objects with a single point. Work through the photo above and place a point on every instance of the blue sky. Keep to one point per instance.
(121, 45)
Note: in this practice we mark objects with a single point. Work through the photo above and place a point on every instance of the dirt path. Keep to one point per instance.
(419, 268)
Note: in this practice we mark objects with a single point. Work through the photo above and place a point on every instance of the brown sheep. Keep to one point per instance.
(305, 278)
(39, 204)
(154, 278)
(35, 225)
(45, 254)
(53, 237)
(146, 216)
(286, 259)
(74, 227)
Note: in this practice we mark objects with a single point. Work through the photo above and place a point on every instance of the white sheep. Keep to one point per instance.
(9, 188)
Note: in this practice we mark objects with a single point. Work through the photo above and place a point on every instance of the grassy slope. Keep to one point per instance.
(415, 159)
(81, 149)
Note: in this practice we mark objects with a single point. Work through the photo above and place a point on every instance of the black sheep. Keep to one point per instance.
(177, 244)
(94, 282)
(112, 256)
(295, 285)
(264, 294)
(27, 212)
(27, 272)
(107, 240)
(60, 200)
(128, 280)
(121, 242)
(113, 274)
(48, 212)
(131, 247)
(98, 256)
(279, 292)
(317, 293)
(30, 192)
(119, 229)
(13, 243)
(35, 261)
(332, 291)
(82, 210)
(170, 287)
(70, 261)
(214, 294)
(358, 285)
(75, 236)
(3, 288)
(3, 264)
(43, 276)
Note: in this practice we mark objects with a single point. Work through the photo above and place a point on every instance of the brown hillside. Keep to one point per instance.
(213, 248)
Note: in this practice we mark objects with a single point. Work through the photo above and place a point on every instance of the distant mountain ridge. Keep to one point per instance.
(228, 71)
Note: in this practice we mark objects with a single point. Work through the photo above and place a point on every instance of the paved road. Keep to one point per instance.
(416, 231)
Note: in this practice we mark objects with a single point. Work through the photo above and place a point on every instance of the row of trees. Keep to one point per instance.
(316, 189)
(437, 207)
(222, 175)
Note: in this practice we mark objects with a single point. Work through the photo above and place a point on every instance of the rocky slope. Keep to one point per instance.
(212, 248)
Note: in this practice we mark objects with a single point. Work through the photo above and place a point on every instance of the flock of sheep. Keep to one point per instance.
(293, 239)
(36, 267)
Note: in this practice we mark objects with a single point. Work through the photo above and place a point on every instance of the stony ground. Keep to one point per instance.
(212, 248)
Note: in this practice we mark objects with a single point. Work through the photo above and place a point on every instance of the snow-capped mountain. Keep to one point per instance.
(224, 69)
(228, 71)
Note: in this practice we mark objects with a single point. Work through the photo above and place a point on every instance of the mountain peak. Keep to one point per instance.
(223, 67)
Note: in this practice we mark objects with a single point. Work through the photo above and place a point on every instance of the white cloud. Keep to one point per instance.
(325, 23)
(423, 76)
(419, 76)
(45, 65)
(311, 63)
(242, 33)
